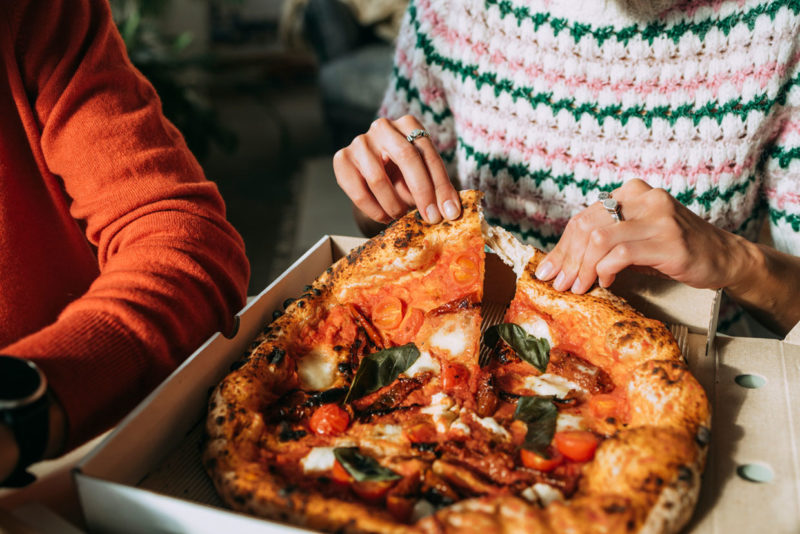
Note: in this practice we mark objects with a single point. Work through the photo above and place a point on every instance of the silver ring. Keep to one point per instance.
(416, 134)
(612, 207)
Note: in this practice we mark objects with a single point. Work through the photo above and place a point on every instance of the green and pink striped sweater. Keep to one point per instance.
(543, 104)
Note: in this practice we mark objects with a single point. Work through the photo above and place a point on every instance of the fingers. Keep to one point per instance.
(433, 194)
(348, 164)
(590, 236)
(644, 252)
(383, 173)
(602, 241)
(564, 262)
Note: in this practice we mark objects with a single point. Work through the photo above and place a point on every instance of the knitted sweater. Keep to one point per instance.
(116, 260)
(542, 104)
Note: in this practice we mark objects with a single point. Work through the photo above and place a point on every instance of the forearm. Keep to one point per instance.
(767, 286)
(167, 287)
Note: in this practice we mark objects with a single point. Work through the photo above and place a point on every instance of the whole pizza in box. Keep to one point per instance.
(367, 406)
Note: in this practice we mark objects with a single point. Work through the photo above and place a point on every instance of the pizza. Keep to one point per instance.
(376, 404)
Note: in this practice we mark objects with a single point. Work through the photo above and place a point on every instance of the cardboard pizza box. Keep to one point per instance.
(146, 476)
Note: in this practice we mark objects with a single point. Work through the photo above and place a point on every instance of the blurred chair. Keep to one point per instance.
(355, 65)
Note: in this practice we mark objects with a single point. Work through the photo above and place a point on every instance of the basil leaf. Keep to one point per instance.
(539, 413)
(363, 468)
(381, 369)
(534, 350)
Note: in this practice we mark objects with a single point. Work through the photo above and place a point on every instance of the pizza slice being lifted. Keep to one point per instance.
(364, 408)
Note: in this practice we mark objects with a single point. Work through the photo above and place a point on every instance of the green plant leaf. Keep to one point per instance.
(363, 468)
(182, 41)
(381, 369)
(130, 26)
(540, 414)
(534, 350)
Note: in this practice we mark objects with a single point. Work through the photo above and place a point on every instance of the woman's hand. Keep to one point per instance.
(384, 174)
(657, 232)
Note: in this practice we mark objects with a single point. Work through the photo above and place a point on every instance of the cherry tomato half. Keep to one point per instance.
(540, 463)
(329, 420)
(576, 445)
(464, 269)
(388, 313)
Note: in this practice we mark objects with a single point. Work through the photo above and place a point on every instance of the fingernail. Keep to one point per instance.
(450, 209)
(558, 281)
(576, 285)
(432, 212)
(544, 270)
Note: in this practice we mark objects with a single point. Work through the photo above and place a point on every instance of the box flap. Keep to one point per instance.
(793, 336)
(752, 479)
(667, 300)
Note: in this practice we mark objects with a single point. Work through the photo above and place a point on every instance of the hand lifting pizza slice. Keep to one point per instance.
(365, 408)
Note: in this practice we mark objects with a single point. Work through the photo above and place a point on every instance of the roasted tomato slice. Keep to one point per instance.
(373, 491)
(603, 406)
(421, 433)
(329, 420)
(540, 463)
(454, 376)
(576, 445)
(340, 474)
(464, 269)
(388, 313)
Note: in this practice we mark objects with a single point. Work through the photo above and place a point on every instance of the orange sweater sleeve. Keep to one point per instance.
(172, 269)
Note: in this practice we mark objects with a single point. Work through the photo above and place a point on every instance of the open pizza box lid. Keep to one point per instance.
(147, 475)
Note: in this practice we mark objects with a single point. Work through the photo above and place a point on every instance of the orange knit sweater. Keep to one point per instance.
(116, 260)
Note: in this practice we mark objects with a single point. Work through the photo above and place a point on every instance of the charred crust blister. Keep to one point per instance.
(615, 508)
(685, 474)
(276, 356)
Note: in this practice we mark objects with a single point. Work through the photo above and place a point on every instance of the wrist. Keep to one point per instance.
(747, 265)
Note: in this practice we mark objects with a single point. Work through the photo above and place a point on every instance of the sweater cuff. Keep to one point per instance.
(95, 367)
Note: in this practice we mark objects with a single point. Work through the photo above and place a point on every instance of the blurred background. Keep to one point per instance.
(265, 91)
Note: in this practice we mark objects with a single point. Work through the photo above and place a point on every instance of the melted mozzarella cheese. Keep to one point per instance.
(568, 421)
(538, 327)
(550, 385)
(440, 410)
(317, 369)
(318, 459)
(450, 338)
(461, 426)
(425, 363)
(386, 431)
(493, 426)
(542, 493)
